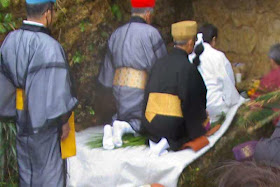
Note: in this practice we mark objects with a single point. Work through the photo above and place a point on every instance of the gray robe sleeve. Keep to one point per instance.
(7, 94)
(158, 45)
(107, 71)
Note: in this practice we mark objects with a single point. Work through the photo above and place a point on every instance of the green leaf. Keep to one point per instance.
(82, 27)
(5, 3)
(8, 18)
(104, 34)
(116, 12)
(2, 29)
(13, 24)
(77, 58)
(91, 112)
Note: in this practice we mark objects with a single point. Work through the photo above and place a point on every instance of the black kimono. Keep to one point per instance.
(37, 91)
(175, 78)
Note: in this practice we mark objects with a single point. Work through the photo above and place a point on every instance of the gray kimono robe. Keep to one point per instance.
(268, 150)
(135, 45)
(35, 62)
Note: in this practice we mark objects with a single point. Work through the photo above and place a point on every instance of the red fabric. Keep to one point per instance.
(143, 3)
(271, 81)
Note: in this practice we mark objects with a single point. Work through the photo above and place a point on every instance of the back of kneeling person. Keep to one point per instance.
(175, 96)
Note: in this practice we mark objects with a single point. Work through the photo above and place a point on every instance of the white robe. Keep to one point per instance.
(218, 76)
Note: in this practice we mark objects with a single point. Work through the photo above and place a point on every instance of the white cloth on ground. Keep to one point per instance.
(217, 73)
(133, 166)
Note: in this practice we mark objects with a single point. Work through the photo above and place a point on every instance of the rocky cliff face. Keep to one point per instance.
(247, 29)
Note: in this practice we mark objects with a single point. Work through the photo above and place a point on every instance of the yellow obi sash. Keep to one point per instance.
(130, 77)
(163, 104)
(68, 146)
(20, 95)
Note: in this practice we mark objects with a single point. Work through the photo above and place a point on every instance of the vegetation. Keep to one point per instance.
(8, 162)
(129, 140)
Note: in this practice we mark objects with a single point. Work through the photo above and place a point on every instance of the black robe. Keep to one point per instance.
(175, 75)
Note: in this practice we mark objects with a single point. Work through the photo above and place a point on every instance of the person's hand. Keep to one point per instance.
(65, 131)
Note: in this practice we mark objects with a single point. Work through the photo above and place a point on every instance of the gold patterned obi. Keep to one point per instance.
(163, 104)
(130, 77)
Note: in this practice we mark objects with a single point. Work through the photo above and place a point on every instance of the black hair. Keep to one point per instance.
(209, 31)
(198, 50)
(37, 10)
(274, 53)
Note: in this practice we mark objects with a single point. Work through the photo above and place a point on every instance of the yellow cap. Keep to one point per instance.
(184, 30)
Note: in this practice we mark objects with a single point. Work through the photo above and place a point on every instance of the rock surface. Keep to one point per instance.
(247, 29)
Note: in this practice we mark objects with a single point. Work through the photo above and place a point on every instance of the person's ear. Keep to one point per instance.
(214, 41)
(191, 43)
(189, 46)
(45, 14)
(49, 16)
(148, 17)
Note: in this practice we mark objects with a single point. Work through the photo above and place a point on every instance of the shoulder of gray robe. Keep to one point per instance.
(159, 47)
(37, 63)
(268, 150)
(135, 45)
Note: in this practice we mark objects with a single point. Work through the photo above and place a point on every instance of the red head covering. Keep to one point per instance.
(143, 3)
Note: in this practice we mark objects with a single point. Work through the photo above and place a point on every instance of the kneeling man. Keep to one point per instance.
(175, 97)
(132, 50)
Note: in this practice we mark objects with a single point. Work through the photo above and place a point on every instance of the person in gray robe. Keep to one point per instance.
(267, 150)
(37, 91)
(132, 51)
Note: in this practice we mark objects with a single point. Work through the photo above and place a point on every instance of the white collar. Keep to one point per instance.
(33, 23)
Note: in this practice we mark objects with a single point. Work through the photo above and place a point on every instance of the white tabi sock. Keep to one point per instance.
(108, 138)
(120, 128)
(152, 144)
(159, 148)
